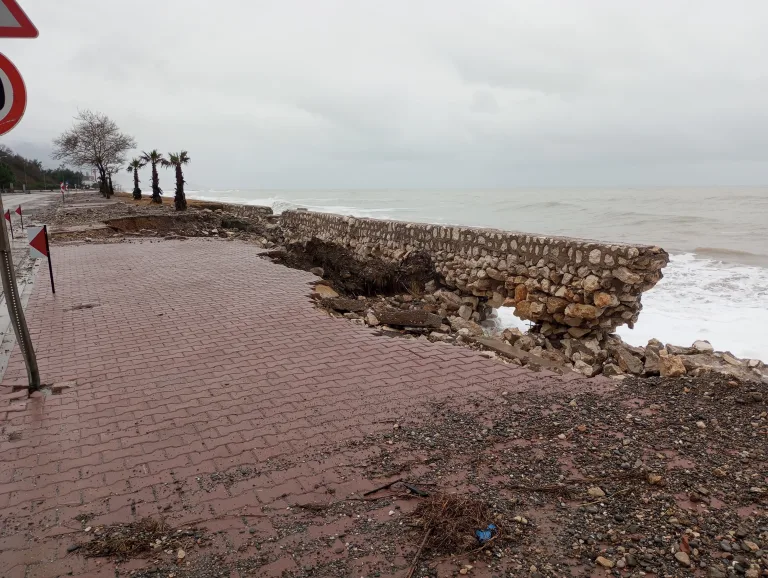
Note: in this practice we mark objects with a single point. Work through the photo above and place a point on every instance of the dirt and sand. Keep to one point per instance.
(650, 477)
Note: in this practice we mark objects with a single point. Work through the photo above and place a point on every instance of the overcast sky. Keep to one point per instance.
(411, 94)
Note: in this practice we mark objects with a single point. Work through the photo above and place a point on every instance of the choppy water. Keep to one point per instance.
(715, 287)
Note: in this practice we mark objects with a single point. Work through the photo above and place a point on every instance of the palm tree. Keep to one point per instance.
(177, 160)
(133, 167)
(154, 158)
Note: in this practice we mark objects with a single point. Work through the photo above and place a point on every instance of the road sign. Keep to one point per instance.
(13, 22)
(13, 95)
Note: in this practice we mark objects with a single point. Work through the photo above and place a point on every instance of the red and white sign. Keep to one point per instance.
(13, 22)
(38, 248)
(13, 95)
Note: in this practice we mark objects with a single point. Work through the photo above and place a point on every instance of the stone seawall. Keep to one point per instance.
(564, 285)
(248, 211)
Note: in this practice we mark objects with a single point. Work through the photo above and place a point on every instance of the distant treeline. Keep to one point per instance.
(17, 170)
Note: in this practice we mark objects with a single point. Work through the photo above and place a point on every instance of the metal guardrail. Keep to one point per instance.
(15, 306)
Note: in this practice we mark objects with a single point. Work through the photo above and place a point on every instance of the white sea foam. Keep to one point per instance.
(724, 303)
(699, 299)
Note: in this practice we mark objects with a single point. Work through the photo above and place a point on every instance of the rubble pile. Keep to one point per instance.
(438, 314)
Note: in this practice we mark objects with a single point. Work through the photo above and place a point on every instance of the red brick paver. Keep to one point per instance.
(189, 358)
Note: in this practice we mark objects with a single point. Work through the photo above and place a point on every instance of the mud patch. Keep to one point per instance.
(83, 306)
(190, 225)
(125, 541)
(351, 275)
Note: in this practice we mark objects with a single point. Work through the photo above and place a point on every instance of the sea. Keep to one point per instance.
(715, 286)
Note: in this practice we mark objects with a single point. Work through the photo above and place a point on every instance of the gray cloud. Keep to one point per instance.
(301, 94)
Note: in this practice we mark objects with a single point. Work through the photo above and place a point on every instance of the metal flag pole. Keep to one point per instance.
(20, 217)
(15, 308)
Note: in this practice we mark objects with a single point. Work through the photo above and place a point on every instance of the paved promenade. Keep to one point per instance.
(176, 361)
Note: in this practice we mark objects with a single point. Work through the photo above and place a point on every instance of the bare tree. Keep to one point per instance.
(94, 141)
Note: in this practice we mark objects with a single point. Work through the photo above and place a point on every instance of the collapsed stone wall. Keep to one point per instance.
(564, 285)
(248, 211)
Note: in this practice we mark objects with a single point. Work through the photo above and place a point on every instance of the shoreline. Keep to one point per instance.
(202, 205)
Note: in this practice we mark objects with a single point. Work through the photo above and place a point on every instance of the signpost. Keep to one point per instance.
(13, 100)
(15, 308)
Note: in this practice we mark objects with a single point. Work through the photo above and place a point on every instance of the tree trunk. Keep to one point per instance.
(102, 182)
(180, 200)
(156, 193)
(136, 189)
(111, 188)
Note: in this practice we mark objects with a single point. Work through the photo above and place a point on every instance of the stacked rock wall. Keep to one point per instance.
(249, 211)
(564, 285)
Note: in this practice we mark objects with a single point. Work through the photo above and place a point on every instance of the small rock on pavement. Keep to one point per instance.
(751, 546)
(596, 492)
(611, 369)
(371, 320)
(703, 346)
(629, 362)
(683, 559)
(604, 562)
(654, 479)
(181, 554)
(319, 271)
(325, 292)
(671, 366)
(584, 368)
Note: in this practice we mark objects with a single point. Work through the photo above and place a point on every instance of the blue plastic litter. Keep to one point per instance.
(484, 535)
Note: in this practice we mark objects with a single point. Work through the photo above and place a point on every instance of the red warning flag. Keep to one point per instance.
(37, 242)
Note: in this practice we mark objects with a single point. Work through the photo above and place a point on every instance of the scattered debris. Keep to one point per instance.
(125, 541)
(450, 522)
